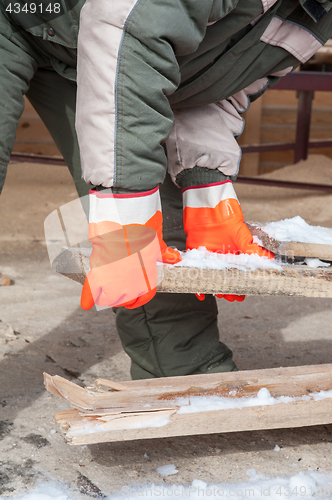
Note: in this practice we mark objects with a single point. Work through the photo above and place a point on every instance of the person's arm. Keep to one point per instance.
(16, 70)
(203, 159)
(127, 67)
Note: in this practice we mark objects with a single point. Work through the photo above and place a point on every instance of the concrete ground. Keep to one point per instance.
(42, 328)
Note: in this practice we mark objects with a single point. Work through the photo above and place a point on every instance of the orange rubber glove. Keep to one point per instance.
(126, 236)
(213, 218)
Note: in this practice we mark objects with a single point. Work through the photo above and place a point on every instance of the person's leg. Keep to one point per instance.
(174, 334)
(54, 99)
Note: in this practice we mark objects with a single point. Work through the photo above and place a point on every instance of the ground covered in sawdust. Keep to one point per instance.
(42, 328)
(275, 203)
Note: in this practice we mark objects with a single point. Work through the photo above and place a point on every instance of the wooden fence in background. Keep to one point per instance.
(270, 119)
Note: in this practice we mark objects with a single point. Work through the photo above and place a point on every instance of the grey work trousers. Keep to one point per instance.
(174, 334)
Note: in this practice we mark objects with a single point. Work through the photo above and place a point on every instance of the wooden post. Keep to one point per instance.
(303, 125)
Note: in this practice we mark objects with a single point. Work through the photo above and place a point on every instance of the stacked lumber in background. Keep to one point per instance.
(32, 136)
(279, 115)
(270, 119)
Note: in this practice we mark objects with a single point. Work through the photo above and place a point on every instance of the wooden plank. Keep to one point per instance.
(278, 133)
(245, 383)
(297, 414)
(37, 148)
(291, 248)
(279, 112)
(294, 280)
(286, 115)
(32, 135)
(323, 55)
(138, 420)
(28, 108)
(251, 135)
(288, 98)
(32, 129)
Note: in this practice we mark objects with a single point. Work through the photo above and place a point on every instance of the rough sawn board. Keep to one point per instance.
(131, 410)
(295, 280)
(290, 248)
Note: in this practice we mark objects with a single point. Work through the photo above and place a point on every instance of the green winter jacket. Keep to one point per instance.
(141, 61)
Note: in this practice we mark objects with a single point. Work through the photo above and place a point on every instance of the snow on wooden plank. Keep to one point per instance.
(196, 404)
(291, 248)
(295, 280)
(296, 414)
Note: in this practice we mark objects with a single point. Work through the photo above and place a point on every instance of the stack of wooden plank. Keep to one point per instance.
(155, 408)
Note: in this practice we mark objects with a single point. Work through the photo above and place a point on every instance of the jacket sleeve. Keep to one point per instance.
(127, 68)
(16, 70)
(206, 136)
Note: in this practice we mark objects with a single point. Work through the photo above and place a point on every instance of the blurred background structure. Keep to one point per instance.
(271, 119)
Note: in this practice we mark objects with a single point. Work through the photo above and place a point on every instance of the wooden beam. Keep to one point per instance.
(291, 248)
(146, 409)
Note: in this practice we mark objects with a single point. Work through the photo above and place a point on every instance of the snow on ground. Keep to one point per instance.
(300, 486)
(297, 229)
(167, 470)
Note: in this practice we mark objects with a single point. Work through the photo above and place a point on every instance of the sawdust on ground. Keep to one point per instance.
(316, 169)
(264, 203)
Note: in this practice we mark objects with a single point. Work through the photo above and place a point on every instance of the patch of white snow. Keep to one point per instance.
(91, 428)
(197, 404)
(202, 258)
(167, 470)
(305, 485)
(297, 229)
(311, 262)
